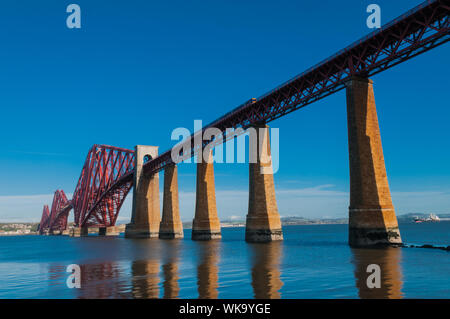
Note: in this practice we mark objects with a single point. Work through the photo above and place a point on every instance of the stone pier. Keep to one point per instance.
(372, 219)
(263, 219)
(108, 231)
(171, 226)
(206, 224)
(145, 215)
(78, 231)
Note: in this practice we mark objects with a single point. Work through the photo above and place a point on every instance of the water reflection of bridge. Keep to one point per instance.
(155, 272)
(390, 271)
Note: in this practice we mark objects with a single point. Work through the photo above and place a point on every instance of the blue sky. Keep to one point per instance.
(136, 70)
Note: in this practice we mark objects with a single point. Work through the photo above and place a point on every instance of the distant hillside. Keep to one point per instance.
(292, 220)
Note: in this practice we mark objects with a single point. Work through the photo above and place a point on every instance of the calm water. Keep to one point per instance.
(312, 262)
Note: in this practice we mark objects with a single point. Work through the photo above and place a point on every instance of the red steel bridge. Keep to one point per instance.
(107, 174)
(100, 192)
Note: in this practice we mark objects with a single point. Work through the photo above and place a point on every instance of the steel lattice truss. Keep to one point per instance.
(413, 33)
(43, 225)
(98, 197)
(59, 211)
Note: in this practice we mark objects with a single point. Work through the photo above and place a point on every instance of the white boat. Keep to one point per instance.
(434, 218)
(431, 218)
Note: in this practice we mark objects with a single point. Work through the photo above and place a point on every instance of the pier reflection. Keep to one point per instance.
(266, 259)
(55, 272)
(155, 268)
(145, 268)
(207, 269)
(99, 281)
(145, 283)
(388, 259)
(171, 249)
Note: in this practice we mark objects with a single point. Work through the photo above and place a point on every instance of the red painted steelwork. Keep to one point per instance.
(59, 211)
(45, 218)
(98, 198)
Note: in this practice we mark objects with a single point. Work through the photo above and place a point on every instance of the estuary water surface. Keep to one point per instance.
(312, 262)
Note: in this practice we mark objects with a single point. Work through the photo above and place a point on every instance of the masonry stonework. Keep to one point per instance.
(372, 219)
(206, 224)
(145, 215)
(171, 226)
(263, 220)
(108, 231)
(78, 231)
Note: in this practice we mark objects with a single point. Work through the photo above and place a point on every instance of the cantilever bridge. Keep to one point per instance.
(110, 172)
(101, 189)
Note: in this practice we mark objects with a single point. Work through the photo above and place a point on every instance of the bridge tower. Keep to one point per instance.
(145, 215)
(372, 219)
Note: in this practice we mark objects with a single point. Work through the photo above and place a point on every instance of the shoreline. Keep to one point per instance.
(242, 225)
